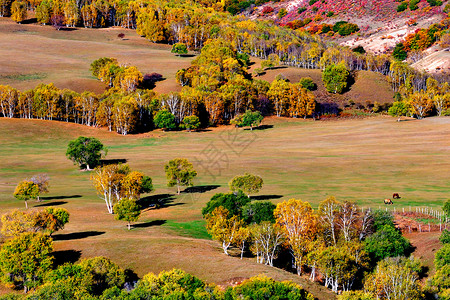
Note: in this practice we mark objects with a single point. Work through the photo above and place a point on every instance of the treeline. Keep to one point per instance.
(216, 89)
(350, 249)
(27, 261)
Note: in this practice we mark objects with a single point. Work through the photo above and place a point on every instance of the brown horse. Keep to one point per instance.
(388, 201)
(396, 196)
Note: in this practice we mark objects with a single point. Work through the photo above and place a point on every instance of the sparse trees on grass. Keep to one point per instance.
(86, 152)
(179, 172)
(26, 190)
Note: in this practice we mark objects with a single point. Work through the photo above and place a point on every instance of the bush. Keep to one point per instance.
(308, 83)
(402, 7)
(445, 237)
(413, 4)
(359, 49)
(258, 211)
(301, 10)
(190, 123)
(312, 2)
(330, 14)
(165, 120)
(335, 78)
(399, 52)
(233, 202)
(386, 242)
(382, 218)
(281, 13)
(267, 10)
(434, 2)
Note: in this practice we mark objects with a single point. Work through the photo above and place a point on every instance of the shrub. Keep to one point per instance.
(413, 4)
(312, 2)
(445, 237)
(330, 14)
(301, 10)
(308, 83)
(281, 13)
(386, 242)
(399, 52)
(165, 120)
(359, 49)
(267, 10)
(402, 7)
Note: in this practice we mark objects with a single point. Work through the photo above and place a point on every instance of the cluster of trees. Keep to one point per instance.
(338, 240)
(434, 100)
(47, 221)
(100, 278)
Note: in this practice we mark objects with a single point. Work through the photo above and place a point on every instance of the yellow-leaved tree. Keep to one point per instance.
(222, 227)
(300, 224)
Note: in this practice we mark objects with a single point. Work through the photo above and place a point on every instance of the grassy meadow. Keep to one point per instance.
(364, 160)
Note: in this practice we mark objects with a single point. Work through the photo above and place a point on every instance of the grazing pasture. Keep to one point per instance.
(364, 160)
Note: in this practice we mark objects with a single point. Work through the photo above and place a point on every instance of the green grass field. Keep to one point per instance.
(364, 160)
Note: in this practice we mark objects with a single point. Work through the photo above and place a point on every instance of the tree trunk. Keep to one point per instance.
(129, 226)
(26, 204)
(178, 187)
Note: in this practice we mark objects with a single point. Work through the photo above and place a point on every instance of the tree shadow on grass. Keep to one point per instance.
(76, 235)
(65, 256)
(157, 201)
(149, 224)
(106, 162)
(200, 189)
(260, 127)
(56, 203)
(265, 197)
(60, 197)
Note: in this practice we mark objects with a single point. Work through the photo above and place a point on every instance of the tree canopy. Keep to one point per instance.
(179, 172)
(85, 152)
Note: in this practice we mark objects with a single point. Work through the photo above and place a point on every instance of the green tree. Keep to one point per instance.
(249, 118)
(179, 172)
(190, 123)
(258, 211)
(398, 109)
(25, 259)
(272, 61)
(233, 202)
(248, 183)
(386, 242)
(399, 52)
(100, 63)
(442, 257)
(335, 78)
(127, 210)
(179, 48)
(308, 83)
(445, 237)
(26, 190)
(86, 152)
(446, 208)
(382, 218)
(165, 119)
